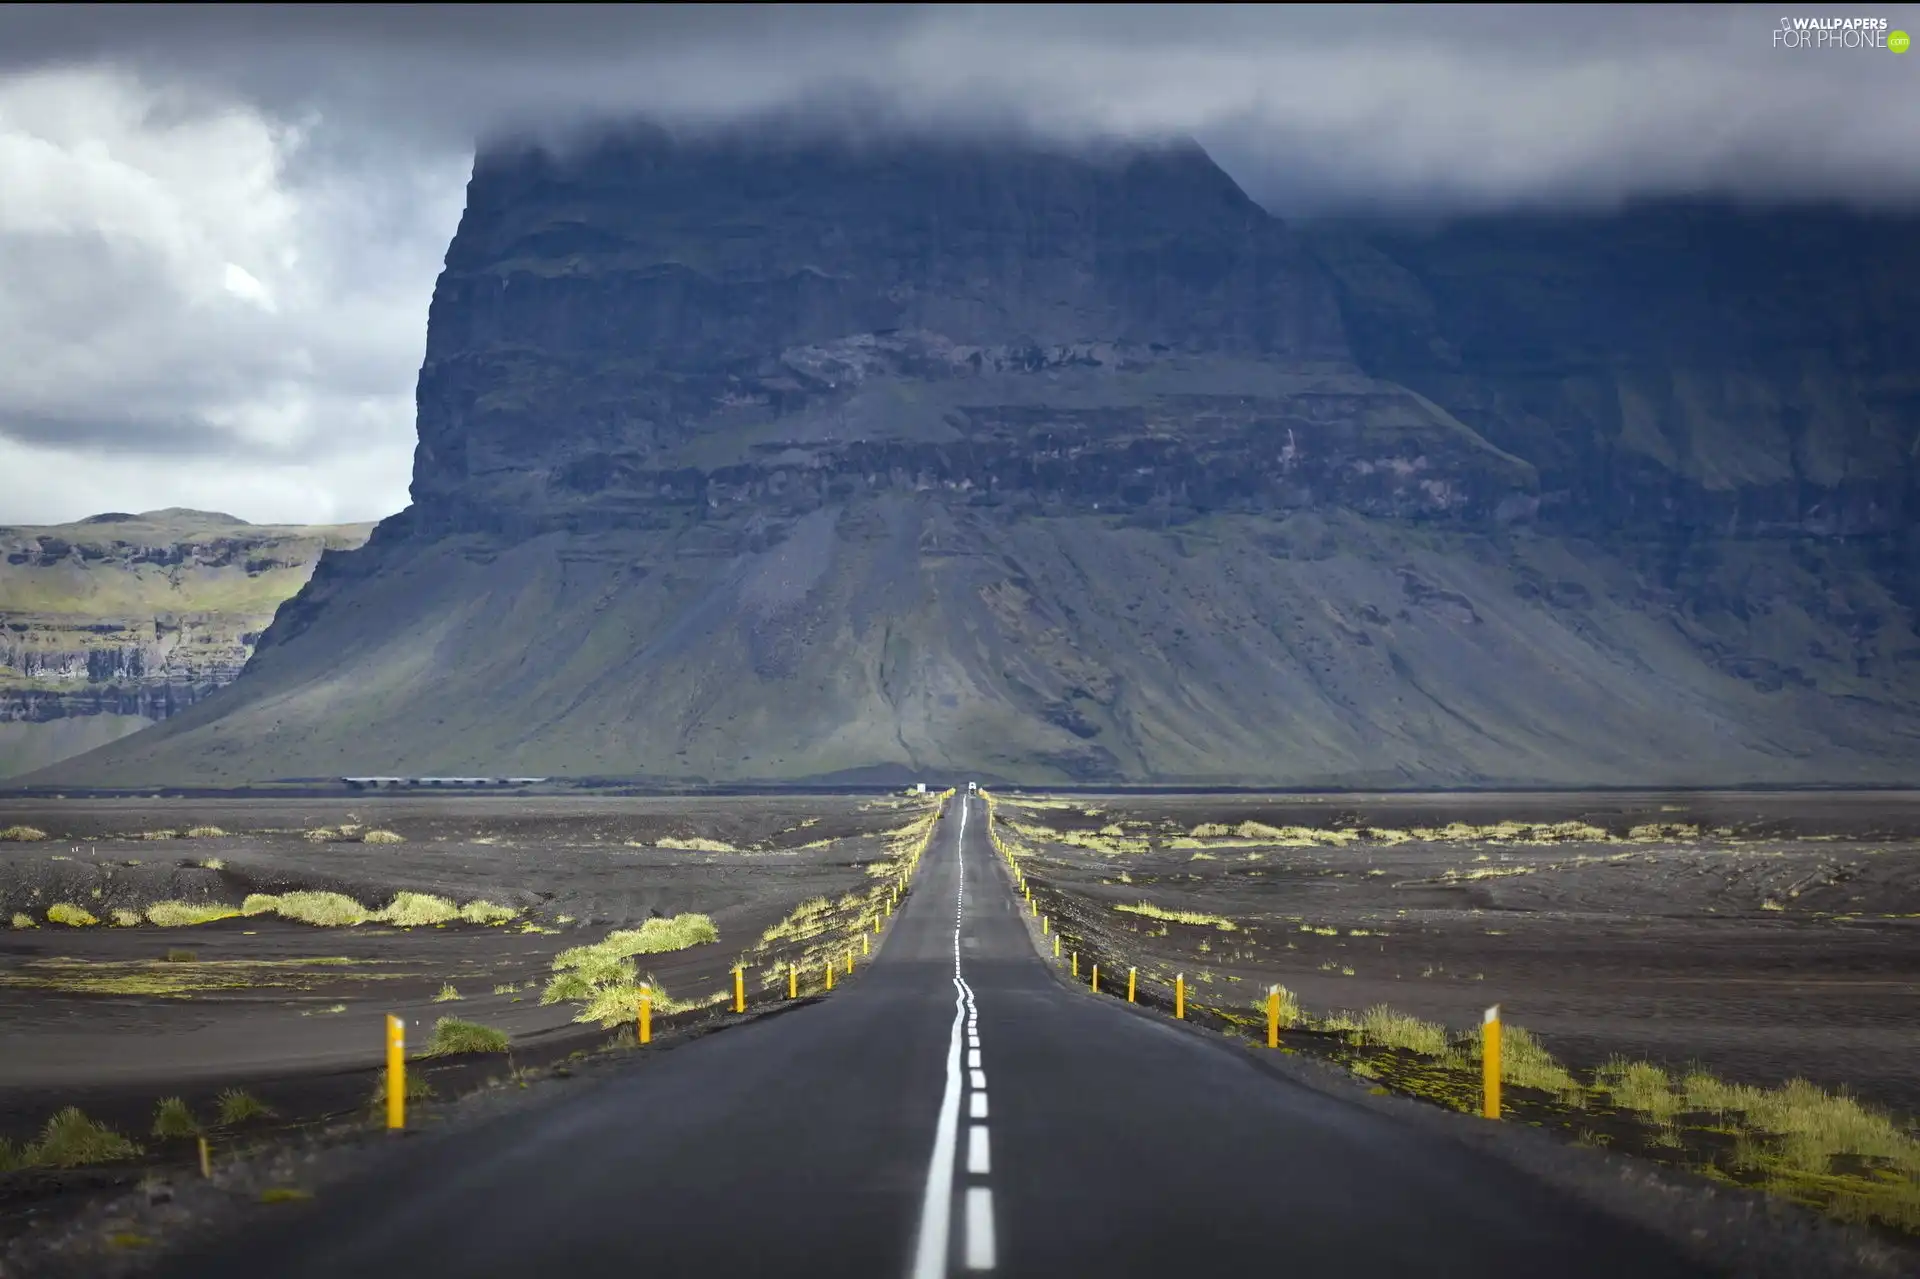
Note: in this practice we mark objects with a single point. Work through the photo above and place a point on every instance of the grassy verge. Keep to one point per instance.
(1819, 1148)
(822, 931)
(1816, 1147)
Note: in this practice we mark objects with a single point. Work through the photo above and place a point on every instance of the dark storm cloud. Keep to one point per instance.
(219, 225)
(1312, 104)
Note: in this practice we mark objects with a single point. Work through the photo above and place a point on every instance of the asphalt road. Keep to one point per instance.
(956, 1109)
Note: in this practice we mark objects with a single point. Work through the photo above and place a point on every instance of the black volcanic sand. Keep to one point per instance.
(307, 1038)
(1789, 947)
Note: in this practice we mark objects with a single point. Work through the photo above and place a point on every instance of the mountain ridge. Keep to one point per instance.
(761, 463)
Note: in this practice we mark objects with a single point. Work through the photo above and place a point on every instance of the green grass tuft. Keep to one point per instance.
(447, 995)
(382, 837)
(1290, 1013)
(213, 863)
(178, 955)
(69, 914)
(71, 1140)
(22, 835)
(125, 918)
(206, 832)
(418, 910)
(237, 1106)
(323, 910)
(1390, 1029)
(615, 1003)
(602, 979)
(179, 914)
(418, 1089)
(655, 937)
(172, 1119)
(452, 1035)
(1525, 1063)
(259, 904)
(1152, 911)
(22, 920)
(486, 912)
(1637, 1085)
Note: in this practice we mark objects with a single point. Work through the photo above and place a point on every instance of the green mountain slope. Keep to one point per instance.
(115, 622)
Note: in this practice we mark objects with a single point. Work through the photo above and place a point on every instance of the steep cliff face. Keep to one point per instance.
(1673, 368)
(645, 325)
(756, 460)
(118, 621)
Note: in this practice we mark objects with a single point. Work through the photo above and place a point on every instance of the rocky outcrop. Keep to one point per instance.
(764, 459)
(128, 619)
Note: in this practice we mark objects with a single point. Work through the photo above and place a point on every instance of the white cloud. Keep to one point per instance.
(190, 317)
(242, 283)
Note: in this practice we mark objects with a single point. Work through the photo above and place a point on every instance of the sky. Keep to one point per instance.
(220, 226)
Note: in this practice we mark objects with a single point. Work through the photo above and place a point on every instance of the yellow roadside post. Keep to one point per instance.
(1076, 963)
(876, 924)
(739, 990)
(1034, 904)
(646, 1014)
(1180, 996)
(1129, 985)
(206, 1160)
(1046, 924)
(1056, 945)
(1490, 1063)
(1096, 979)
(396, 1072)
(829, 974)
(865, 944)
(1273, 1017)
(849, 961)
(793, 981)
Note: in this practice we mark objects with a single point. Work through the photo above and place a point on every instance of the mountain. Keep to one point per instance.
(118, 621)
(764, 458)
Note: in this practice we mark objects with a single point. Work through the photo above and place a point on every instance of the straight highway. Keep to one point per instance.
(956, 1110)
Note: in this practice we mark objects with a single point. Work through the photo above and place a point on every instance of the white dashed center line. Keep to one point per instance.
(979, 1228)
(978, 1162)
(931, 1249)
